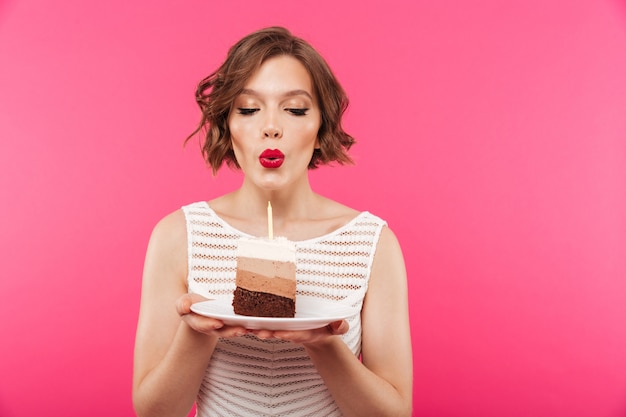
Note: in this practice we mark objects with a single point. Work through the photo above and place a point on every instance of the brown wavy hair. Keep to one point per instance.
(216, 93)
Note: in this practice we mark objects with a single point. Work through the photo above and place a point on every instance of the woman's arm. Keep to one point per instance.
(383, 386)
(170, 358)
(173, 347)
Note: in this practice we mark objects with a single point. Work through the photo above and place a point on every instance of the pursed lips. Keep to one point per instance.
(271, 158)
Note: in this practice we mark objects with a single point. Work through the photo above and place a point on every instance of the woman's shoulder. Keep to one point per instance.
(170, 228)
(330, 208)
(167, 247)
(345, 214)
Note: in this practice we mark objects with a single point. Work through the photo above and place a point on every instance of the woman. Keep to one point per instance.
(273, 110)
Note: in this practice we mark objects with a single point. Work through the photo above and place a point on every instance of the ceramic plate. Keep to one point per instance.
(311, 313)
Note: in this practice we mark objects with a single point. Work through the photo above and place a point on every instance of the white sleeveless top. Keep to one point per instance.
(248, 376)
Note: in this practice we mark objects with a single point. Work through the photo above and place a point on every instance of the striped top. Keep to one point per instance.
(248, 376)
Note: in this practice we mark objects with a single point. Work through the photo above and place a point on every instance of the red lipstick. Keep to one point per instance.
(271, 158)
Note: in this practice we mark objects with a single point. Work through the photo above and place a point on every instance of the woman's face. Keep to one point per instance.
(274, 124)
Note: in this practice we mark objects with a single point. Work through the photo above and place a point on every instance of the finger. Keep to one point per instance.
(263, 334)
(183, 305)
(231, 332)
(339, 327)
(202, 324)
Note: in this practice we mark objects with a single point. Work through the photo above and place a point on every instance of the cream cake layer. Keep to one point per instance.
(277, 249)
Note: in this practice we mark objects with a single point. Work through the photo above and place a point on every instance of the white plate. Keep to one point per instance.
(311, 313)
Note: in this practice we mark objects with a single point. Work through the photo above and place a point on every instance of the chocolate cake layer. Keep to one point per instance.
(260, 304)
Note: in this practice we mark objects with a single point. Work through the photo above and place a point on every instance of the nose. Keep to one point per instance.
(272, 129)
(272, 132)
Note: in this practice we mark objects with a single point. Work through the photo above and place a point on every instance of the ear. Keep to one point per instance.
(317, 143)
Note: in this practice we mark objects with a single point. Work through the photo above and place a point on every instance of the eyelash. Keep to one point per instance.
(246, 111)
(298, 112)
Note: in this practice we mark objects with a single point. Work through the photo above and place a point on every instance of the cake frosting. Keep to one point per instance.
(266, 277)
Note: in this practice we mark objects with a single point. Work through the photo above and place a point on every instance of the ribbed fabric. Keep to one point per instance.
(252, 377)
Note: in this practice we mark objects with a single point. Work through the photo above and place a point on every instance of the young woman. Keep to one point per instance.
(273, 110)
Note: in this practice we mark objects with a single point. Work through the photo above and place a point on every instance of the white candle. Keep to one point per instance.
(270, 221)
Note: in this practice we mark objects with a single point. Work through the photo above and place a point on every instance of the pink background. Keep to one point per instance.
(492, 138)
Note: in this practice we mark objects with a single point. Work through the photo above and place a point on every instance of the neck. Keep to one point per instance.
(294, 204)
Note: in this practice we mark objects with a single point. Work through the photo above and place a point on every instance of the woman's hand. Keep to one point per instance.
(306, 337)
(201, 324)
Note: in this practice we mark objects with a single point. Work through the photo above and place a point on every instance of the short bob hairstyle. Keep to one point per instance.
(217, 92)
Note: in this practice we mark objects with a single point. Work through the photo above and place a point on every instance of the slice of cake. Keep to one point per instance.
(266, 278)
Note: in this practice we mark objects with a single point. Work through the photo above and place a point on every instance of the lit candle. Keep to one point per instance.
(270, 221)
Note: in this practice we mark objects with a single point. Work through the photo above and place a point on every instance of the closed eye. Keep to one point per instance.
(297, 111)
(247, 110)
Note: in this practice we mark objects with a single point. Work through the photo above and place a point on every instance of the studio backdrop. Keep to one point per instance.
(491, 137)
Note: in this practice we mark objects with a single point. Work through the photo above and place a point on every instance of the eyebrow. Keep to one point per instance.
(290, 93)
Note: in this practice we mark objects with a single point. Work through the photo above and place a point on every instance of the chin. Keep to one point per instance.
(270, 182)
(272, 186)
